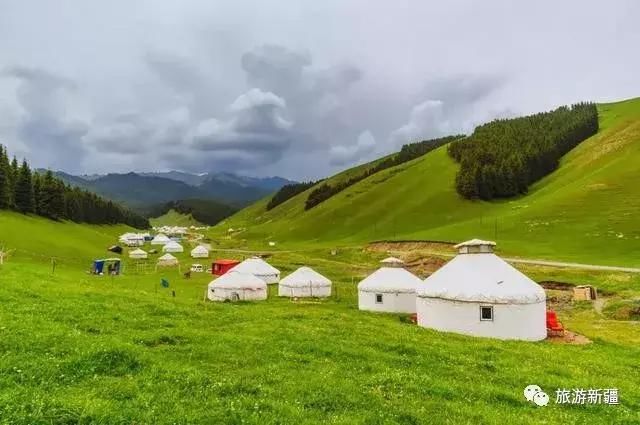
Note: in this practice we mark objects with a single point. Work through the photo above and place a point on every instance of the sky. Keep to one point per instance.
(291, 88)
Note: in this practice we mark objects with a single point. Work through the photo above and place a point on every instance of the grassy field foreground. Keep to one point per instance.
(76, 348)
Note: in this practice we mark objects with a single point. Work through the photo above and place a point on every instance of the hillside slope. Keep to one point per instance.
(40, 239)
(584, 211)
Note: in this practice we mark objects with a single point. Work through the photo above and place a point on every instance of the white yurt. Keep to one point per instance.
(160, 239)
(259, 268)
(304, 282)
(237, 286)
(172, 246)
(391, 288)
(167, 260)
(138, 254)
(477, 293)
(200, 252)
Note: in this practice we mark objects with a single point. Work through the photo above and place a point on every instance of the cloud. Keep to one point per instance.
(426, 121)
(47, 124)
(257, 124)
(342, 155)
(179, 71)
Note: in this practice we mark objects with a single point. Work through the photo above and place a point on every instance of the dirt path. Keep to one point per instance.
(573, 265)
(533, 262)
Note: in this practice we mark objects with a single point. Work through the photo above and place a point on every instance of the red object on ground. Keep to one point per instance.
(220, 267)
(553, 326)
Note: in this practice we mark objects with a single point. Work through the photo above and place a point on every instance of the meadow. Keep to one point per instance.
(78, 348)
(585, 211)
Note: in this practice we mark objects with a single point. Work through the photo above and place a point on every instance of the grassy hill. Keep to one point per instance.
(174, 218)
(32, 238)
(584, 211)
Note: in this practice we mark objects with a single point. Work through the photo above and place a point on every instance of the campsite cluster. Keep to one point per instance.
(477, 293)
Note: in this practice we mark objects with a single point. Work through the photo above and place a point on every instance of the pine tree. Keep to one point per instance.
(45, 196)
(5, 180)
(24, 190)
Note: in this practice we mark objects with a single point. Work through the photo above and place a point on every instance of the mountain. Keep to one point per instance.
(585, 210)
(269, 184)
(145, 190)
(188, 178)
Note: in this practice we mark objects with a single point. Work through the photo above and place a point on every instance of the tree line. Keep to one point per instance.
(287, 192)
(407, 153)
(29, 192)
(205, 211)
(504, 157)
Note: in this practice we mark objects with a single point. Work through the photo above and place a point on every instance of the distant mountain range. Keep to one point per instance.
(141, 190)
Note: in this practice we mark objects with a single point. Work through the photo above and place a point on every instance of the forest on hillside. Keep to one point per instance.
(287, 192)
(204, 211)
(504, 157)
(407, 153)
(29, 192)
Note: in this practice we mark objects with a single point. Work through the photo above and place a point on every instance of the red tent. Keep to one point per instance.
(220, 267)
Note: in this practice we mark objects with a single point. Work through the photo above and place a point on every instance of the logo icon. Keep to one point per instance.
(534, 394)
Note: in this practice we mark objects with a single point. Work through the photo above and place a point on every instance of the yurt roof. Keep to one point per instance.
(305, 277)
(172, 244)
(475, 242)
(166, 257)
(138, 251)
(160, 237)
(238, 280)
(390, 279)
(255, 265)
(200, 249)
(482, 277)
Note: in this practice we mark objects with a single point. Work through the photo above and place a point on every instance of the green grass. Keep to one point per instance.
(585, 211)
(37, 238)
(77, 348)
(174, 218)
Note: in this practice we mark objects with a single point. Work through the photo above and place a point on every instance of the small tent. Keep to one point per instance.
(116, 249)
(160, 239)
(391, 288)
(304, 282)
(167, 260)
(237, 286)
(172, 247)
(259, 268)
(138, 254)
(200, 252)
(221, 266)
(112, 264)
(479, 294)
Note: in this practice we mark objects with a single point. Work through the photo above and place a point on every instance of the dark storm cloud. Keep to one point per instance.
(52, 136)
(339, 82)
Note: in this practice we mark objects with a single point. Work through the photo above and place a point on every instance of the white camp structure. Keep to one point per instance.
(160, 239)
(168, 260)
(391, 289)
(131, 239)
(237, 286)
(477, 293)
(200, 252)
(172, 246)
(138, 254)
(259, 268)
(304, 282)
